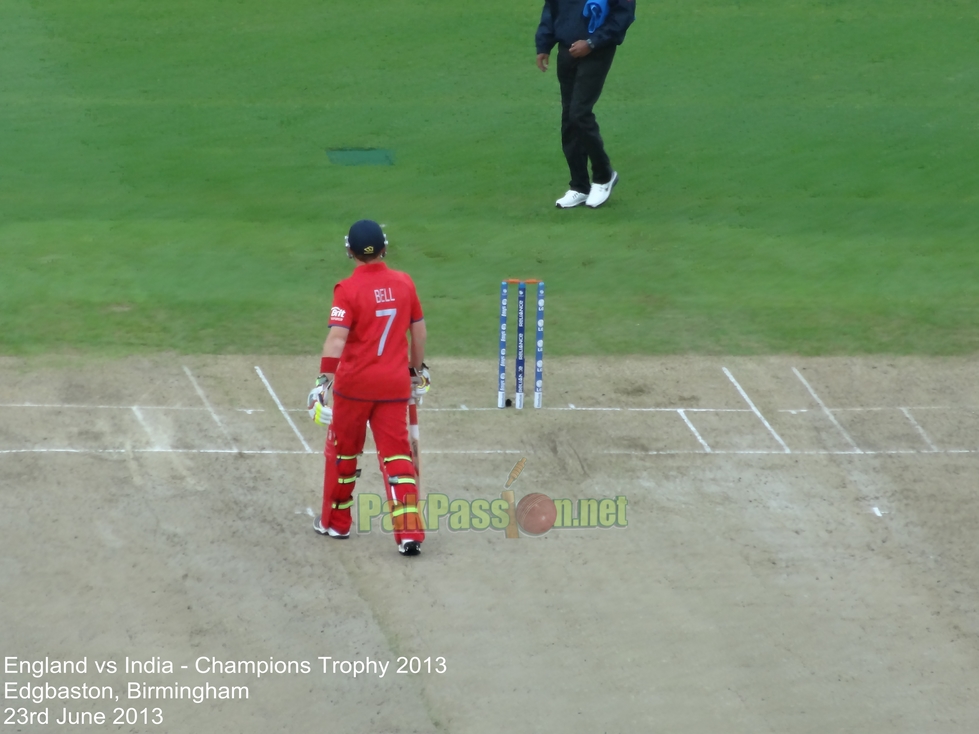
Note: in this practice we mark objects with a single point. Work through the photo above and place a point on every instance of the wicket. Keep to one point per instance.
(521, 338)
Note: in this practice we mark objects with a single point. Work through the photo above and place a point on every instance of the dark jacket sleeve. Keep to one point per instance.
(621, 13)
(545, 31)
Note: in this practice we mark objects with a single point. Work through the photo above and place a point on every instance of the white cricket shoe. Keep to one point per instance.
(571, 199)
(600, 192)
(318, 527)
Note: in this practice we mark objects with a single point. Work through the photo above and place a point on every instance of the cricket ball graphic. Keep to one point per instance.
(536, 513)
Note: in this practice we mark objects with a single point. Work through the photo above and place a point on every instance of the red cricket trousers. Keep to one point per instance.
(345, 443)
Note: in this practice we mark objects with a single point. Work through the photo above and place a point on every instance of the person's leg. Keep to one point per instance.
(574, 152)
(344, 443)
(588, 83)
(389, 427)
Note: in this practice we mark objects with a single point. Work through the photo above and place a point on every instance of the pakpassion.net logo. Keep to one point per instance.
(534, 514)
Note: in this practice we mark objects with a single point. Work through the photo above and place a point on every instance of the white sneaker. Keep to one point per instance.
(600, 192)
(571, 199)
(318, 527)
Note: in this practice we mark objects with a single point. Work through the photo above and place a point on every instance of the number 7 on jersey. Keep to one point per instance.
(390, 313)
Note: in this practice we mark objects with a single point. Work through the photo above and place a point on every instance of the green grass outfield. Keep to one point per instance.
(795, 176)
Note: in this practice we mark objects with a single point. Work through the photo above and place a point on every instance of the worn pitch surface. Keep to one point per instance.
(800, 551)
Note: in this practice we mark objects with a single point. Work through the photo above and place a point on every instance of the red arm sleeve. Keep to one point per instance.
(341, 314)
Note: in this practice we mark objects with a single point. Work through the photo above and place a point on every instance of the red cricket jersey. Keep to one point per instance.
(377, 305)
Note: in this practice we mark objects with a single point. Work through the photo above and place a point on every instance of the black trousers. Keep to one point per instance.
(581, 83)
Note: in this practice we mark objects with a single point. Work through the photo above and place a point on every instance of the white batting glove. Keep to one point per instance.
(421, 383)
(322, 414)
(318, 402)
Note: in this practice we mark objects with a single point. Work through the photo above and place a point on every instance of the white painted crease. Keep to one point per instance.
(769, 452)
(469, 452)
(690, 410)
(96, 407)
(827, 411)
(693, 428)
(283, 410)
(146, 427)
(966, 409)
(921, 431)
(210, 408)
(160, 443)
(755, 410)
(274, 452)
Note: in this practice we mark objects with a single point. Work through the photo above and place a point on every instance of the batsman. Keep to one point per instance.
(372, 364)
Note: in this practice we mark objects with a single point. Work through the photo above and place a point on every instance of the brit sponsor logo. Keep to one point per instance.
(337, 314)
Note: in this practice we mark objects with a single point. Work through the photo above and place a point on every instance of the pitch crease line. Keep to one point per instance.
(755, 410)
(146, 427)
(919, 429)
(477, 452)
(283, 410)
(827, 411)
(772, 452)
(210, 409)
(692, 428)
(253, 452)
(581, 410)
(96, 407)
